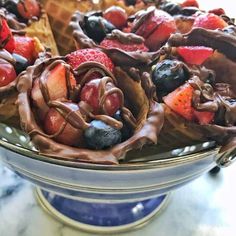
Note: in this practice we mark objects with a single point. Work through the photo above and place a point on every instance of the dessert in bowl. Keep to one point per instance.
(87, 192)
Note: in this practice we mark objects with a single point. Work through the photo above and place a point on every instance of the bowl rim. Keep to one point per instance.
(159, 163)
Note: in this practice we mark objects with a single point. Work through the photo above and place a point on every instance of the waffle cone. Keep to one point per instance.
(60, 13)
(177, 132)
(42, 30)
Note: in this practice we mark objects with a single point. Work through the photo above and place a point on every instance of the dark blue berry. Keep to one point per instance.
(171, 7)
(189, 11)
(130, 2)
(169, 75)
(101, 136)
(97, 27)
(10, 6)
(21, 63)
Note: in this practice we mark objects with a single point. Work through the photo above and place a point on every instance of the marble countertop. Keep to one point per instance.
(205, 207)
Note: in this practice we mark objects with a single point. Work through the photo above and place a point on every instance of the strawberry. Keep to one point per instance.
(209, 21)
(204, 117)
(217, 11)
(117, 16)
(85, 55)
(6, 39)
(7, 73)
(190, 3)
(90, 94)
(156, 29)
(28, 9)
(195, 55)
(180, 101)
(25, 46)
(54, 121)
(56, 85)
(112, 43)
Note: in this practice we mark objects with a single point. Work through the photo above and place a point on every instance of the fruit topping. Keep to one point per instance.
(180, 101)
(21, 63)
(55, 124)
(55, 86)
(25, 46)
(97, 27)
(113, 43)
(171, 7)
(167, 75)
(7, 73)
(195, 55)
(99, 135)
(28, 9)
(6, 39)
(117, 16)
(155, 29)
(190, 3)
(209, 21)
(130, 2)
(217, 11)
(89, 55)
(102, 96)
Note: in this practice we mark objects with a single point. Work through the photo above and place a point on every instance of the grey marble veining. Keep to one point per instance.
(205, 207)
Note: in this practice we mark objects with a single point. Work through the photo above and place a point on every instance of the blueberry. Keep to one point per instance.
(230, 30)
(97, 27)
(189, 11)
(171, 7)
(169, 75)
(101, 136)
(21, 63)
(10, 6)
(126, 131)
(130, 2)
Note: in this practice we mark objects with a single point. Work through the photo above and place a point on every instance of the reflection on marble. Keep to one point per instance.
(205, 207)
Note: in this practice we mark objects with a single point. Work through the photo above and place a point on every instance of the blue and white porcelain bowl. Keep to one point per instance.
(102, 198)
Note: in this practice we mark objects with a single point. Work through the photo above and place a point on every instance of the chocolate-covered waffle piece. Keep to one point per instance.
(74, 107)
(200, 106)
(136, 40)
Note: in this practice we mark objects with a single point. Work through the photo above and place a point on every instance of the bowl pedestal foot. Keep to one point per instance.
(100, 217)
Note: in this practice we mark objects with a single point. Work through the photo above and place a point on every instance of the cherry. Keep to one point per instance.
(53, 123)
(7, 73)
(90, 94)
(117, 16)
(28, 9)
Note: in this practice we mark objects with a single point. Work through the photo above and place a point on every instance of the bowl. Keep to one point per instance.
(103, 198)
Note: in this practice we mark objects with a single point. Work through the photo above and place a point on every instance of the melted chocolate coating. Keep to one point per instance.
(118, 56)
(146, 130)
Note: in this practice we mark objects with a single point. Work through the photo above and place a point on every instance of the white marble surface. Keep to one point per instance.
(205, 207)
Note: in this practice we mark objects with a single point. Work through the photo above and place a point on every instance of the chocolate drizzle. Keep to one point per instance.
(146, 121)
(118, 56)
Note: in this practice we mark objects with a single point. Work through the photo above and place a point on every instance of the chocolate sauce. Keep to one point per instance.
(147, 121)
(118, 56)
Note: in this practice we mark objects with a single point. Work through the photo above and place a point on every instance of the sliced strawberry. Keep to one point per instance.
(85, 55)
(6, 39)
(56, 85)
(7, 73)
(90, 94)
(28, 9)
(195, 55)
(217, 11)
(157, 29)
(204, 117)
(180, 101)
(209, 21)
(117, 16)
(25, 46)
(190, 3)
(54, 121)
(112, 43)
